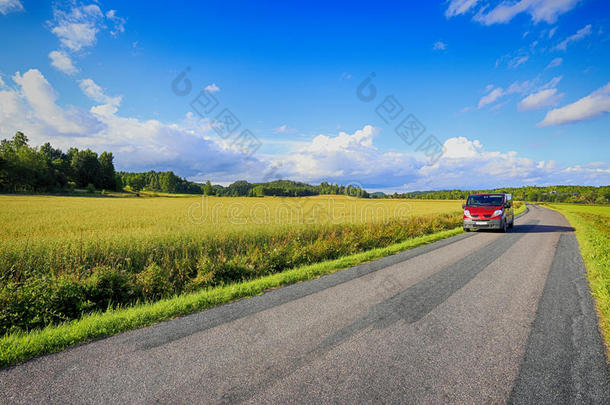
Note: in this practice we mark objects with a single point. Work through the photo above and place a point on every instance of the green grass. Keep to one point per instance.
(519, 207)
(592, 227)
(20, 346)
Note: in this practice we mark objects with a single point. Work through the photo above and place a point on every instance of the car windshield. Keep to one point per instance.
(485, 200)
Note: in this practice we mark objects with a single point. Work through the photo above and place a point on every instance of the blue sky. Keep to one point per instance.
(509, 93)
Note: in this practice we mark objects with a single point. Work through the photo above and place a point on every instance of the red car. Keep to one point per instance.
(489, 211)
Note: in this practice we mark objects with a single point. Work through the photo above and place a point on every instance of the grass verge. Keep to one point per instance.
(20, 346)
(592, 228)
(520, 208)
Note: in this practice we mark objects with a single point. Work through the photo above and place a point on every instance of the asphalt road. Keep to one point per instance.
(478, 318)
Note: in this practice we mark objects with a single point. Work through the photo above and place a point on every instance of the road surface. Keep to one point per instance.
(480, 317)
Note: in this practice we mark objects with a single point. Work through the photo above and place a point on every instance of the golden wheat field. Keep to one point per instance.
(58, 220)
(62, 257)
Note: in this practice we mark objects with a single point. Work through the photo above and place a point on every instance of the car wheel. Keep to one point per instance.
(512, 223)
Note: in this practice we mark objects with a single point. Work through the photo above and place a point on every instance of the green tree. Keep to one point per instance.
(167, 181)
(86, 168)
(106, 177)
(207, 189)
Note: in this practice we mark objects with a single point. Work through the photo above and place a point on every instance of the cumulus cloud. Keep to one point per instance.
(540, 99)
(588, 107)
(61, 61)
(95, 92)
(461, 147)
(353, 157)
(580, 34)
(10, 6)
(467, 164)
(78, 27)
(212, 88)
(41, 97)
(348, 158)
(439, 46)
(539, 10)
(189, 148)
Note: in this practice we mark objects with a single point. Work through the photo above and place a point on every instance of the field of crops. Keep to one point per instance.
(61, 257)
(592, 225)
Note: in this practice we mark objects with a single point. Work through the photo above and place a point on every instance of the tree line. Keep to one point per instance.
(567, 194)
(284, 188)
(45, 169)
(166, 182)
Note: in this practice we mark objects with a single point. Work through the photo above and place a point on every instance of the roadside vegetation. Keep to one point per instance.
(20, 346)
(592, 225)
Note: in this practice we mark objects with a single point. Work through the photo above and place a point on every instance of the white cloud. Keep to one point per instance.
(41, 98)
(439, 46)
(117, 22)
(95, 93)
(552, 32)
(78, 27)
(212, 88)
(284, 129)
(461, 147)
(588, 107)
(457, 7)
(539, 10)
(61, 61)
(466, 164)
(10, 6)
(540, 99)
(554, 63)
(580, 34)
(517, 61)
(137, 144)
(517, 87)
(492, 96)
(348, 158)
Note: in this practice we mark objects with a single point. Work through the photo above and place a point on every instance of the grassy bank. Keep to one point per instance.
(592, 225)
(20, 346)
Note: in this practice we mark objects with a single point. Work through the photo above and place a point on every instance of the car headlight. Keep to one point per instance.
(497, 213)
(467, 213)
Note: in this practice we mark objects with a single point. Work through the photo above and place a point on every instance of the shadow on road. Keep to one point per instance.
(540, 229)
(531, 228)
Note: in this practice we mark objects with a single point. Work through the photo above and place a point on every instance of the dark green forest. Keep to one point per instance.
(569, 194)
(44, 169)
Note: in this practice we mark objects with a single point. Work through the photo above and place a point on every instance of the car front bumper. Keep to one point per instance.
(482, 224)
